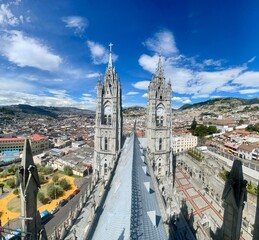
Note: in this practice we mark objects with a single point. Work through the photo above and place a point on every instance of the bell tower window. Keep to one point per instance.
(159, 117)
(107, 118)
(105, 143)
(160, 144)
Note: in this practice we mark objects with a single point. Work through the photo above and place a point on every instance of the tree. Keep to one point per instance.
(42, 179)
(64, 184)
(11, 182)
(194, 124)
(68, 170)
(41, 197)
(51, 191)
(241, 121)
(59, 191)
(16, 191)
(54, 192)
(212, 129)
(55, 178)
(48, 170)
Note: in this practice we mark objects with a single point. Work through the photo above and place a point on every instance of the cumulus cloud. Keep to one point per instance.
(56, 100)
(79, 24)
(199, 79)
(248, 79)
(145, 95)
(28, 52)
(99, 54)
(162, 42)
(7, 17)
(181, 99)
(216, 96)
(92, 75)
(211, 62)
(132, 93)
(149, 63)
(249, 91)
(143, 85)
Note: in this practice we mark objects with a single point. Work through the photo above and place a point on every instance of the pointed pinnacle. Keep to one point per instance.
(27, 158)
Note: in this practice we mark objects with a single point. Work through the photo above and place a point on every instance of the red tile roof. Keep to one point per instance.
(37, 137)
(12, 139)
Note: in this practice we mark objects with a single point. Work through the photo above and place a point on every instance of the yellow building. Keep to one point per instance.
(39, 143)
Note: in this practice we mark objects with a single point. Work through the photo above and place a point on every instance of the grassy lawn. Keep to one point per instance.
(14, 205)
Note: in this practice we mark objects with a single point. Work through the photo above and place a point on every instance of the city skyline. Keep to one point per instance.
(52, 54)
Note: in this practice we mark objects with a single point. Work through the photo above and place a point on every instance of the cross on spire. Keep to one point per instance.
(110, 55)
(110, 45)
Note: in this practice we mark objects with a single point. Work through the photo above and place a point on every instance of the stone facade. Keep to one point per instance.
(108, 128)
(159, 122)
(29, 184)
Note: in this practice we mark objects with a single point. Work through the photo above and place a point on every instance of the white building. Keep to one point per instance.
(184, 142)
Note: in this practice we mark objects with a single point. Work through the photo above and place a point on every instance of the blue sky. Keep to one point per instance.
(52, 51)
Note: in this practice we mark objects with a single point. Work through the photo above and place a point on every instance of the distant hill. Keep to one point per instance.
(134, 111)
(53, 112)
(232, 102)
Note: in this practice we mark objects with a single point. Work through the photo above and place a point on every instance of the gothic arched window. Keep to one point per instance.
(105, 168)
(159, 117)
(107, 115)
(160, 143)
(105, 143)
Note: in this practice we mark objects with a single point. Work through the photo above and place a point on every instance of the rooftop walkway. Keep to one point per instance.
(131, 209)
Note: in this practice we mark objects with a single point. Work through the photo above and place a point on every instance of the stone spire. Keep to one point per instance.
(110, 55)
(234, 195)
(159, 69)
(28, 181)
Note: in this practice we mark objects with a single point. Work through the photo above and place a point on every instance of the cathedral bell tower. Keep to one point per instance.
(159, 122)
(108, 125)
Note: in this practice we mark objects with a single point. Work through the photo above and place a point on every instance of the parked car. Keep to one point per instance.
(45, 216)
(70, 196)
(63, 202)
(54, 210)
(76, 191)
(14, 235)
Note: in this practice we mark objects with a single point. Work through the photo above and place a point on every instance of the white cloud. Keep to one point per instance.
(28, 52)
(7, 17)
(8, 83)
(143, 85)
(252, 59)
(216, 96)
(132, 93)
(211, 62)
(198, 79)
(99, 53)
(79, 24)
(58, 93)
(181, 99)
(162, 42)
(248, 79)
(148, 63)
(249, 91)
(145, 95)
(45, 100)
(227, 88)
(92, 75)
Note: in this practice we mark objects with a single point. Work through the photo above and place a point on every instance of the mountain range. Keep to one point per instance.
(134, 111)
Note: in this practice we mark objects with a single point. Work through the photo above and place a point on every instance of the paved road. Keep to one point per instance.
(62, 214)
